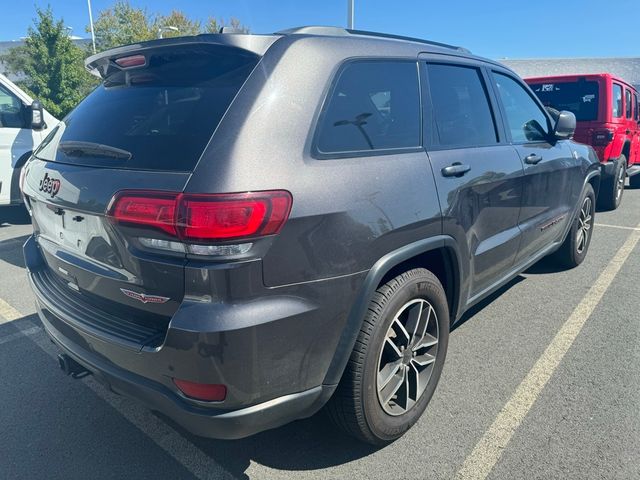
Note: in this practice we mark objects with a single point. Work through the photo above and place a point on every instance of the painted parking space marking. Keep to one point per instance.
(8, 313)
(622, 227)
(179, 448)
(489, 448)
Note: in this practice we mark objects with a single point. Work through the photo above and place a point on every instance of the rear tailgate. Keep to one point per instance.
(144, 129)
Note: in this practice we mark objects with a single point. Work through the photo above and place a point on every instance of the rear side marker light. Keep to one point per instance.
(602, 137)
(204, 218)
(131, 61)
(206, 392)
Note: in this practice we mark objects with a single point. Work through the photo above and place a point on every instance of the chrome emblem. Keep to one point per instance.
(143, 297)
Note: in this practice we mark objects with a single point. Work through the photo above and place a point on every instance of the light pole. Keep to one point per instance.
(93, 35)
(350, 13)
(167, 28)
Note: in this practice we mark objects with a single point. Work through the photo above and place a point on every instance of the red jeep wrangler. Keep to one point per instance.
(607, 114)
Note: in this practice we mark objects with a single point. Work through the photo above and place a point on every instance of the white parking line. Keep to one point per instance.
(622, 227)
(184, 452)
(489, 448)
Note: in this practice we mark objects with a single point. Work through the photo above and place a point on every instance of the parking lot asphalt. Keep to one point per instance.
(541, 381)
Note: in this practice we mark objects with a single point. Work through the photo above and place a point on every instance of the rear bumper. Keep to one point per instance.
(205, 422)
(272, 353)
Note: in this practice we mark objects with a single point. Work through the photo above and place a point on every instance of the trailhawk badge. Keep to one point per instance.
(144, 298)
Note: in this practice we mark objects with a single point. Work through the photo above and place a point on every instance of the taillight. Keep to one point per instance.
(204, 218)
(227, 217)
(150, 209)
(602, 138)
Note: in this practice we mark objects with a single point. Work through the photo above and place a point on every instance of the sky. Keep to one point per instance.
(491, 28)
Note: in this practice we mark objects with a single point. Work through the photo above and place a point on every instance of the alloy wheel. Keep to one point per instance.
(585, 221)
(620, 184)
(407, 357)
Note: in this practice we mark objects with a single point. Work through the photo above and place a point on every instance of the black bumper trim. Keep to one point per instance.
(205, 422)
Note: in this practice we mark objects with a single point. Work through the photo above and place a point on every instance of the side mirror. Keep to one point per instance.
(37, 115)
(565, 125)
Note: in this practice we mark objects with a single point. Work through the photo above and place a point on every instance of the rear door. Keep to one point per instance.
(144, 129)
(551, 172)
(478, 176)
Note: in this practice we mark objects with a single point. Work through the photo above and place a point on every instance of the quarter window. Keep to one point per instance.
(460, 106)
(627, 104)
(635, 103)
(12, 113)
(526, 120)
(617, 101)
(374, 106)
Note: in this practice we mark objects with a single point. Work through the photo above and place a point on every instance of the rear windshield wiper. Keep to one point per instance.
(82, 149)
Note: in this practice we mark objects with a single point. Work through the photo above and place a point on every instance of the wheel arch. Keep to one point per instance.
(438, 253)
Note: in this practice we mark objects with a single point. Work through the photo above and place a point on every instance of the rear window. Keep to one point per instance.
(158, 117)
(581, 98)
(375, 105)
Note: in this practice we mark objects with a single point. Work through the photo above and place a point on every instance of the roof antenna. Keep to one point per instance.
(350, 13)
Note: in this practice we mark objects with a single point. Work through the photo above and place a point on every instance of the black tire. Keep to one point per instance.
(634, 182)
(612, 189)
(572, 252)
(355, 406)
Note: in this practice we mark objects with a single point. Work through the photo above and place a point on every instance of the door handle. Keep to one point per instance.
(532, 159)
(628, 132)
(455, 170)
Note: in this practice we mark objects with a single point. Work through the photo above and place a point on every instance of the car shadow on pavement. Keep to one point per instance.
(11, 250)
(17, 215)
(310, 444)
(478, 307)
(546, 265)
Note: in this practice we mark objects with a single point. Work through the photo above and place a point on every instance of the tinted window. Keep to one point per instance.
(460, 106)
(628, 106)
(617, 101)
(581, 98)
(635, 102)
(12, 114)
(526, 120)
(159, 117)
(374, 106)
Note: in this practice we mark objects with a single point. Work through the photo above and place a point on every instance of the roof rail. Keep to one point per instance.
(338, 31)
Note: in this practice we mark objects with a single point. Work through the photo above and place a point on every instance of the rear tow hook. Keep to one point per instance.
(69, 366)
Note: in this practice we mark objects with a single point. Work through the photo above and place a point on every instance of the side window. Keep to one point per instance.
(617, 101)
(12, 113)
(628, 106)
(635, 106)
(375, 105)
(461, 109)
(526, 120)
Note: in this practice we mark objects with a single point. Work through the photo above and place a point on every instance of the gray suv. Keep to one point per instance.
(238, 230)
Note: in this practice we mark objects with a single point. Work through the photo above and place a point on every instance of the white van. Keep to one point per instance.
(23, 125)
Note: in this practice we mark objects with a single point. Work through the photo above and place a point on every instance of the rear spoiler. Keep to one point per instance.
(103, 64)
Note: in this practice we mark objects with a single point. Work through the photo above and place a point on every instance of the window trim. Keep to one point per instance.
(613, 99)
(435, 144)
(318, 154)
(503, 112)
(628, 107)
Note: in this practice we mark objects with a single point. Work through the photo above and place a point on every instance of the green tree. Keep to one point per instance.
(214, 25)
(178, 20)
(51, 65)
(123, 24)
